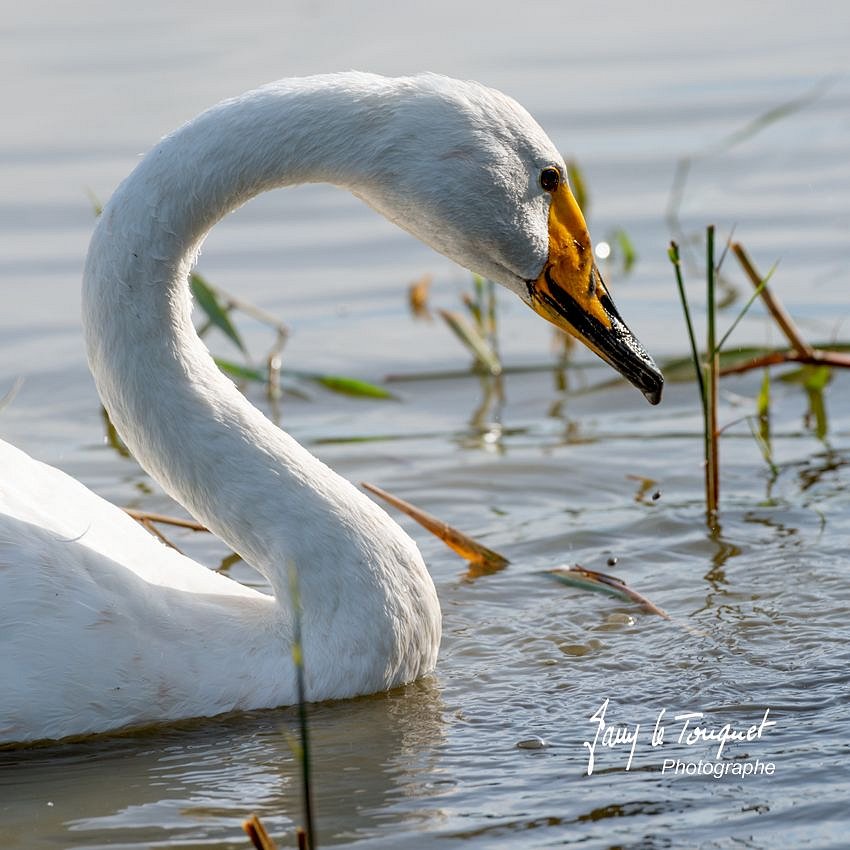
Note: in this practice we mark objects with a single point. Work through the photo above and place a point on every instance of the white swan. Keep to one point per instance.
(101, 626)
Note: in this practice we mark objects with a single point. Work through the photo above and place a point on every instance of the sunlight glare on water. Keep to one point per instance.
(553, 475)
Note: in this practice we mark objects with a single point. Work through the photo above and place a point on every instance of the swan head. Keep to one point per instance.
(467, 170)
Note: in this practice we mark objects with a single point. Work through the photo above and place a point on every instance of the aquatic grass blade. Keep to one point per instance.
(707, 373)
(474, 311)
(763, 413)
(814, 380)
(810, 377)
(209, 302)
(336, 383)
(10, 394)
(350, 386)
(817, 410)
(578, 184)
(492, 329)
(481, 350)
(625, 249)
(777, 311)
(113, 438)
(240, 372)
(758, 291)
(675, 259)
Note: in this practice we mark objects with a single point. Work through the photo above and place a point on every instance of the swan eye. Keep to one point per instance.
(550, 178)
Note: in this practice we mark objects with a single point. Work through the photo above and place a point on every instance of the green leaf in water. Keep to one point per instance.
(240, 372)
(763, 411)
(113, 439)
(762, 438)
(818, 377)
(335, 383)
(814, 380)
(763, 399)
(351, 386)
(209, 302)
(810, 377)
(625, 249)
(474, 308)
(578, 185)
(817, 411)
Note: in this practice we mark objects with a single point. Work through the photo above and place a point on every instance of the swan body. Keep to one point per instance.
(102, 626)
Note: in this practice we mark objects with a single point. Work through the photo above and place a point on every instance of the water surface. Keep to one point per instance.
(759, 609)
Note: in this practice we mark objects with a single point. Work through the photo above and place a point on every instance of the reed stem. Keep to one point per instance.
(712, 374)
(677, 267)
(298, 658)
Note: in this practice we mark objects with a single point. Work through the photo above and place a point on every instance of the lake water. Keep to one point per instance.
(759, 610)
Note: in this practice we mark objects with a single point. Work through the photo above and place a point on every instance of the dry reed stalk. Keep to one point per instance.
(255, 830)
(469, 549)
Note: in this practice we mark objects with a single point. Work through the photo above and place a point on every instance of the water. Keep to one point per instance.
(759, 610)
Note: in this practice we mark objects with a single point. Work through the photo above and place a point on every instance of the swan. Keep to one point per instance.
(101, 626)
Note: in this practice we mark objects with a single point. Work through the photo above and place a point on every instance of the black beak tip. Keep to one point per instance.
(653, 396)
(651, 384)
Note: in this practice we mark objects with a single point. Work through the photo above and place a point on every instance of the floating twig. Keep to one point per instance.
(149, 526)
(147, 516)
(147, 520)
(818, 357)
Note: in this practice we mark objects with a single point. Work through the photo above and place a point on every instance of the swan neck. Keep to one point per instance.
(188, 426)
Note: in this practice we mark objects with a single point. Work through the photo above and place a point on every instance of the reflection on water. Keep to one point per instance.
(198, 779)
(537, 467)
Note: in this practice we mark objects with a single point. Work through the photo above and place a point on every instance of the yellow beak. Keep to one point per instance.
(571, 294)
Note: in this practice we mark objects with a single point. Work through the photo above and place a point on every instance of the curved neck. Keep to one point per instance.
(187, 424)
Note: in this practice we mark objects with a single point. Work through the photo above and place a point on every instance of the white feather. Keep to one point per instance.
(101, 626)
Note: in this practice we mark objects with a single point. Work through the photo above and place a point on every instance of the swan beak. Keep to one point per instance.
(571, 294)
